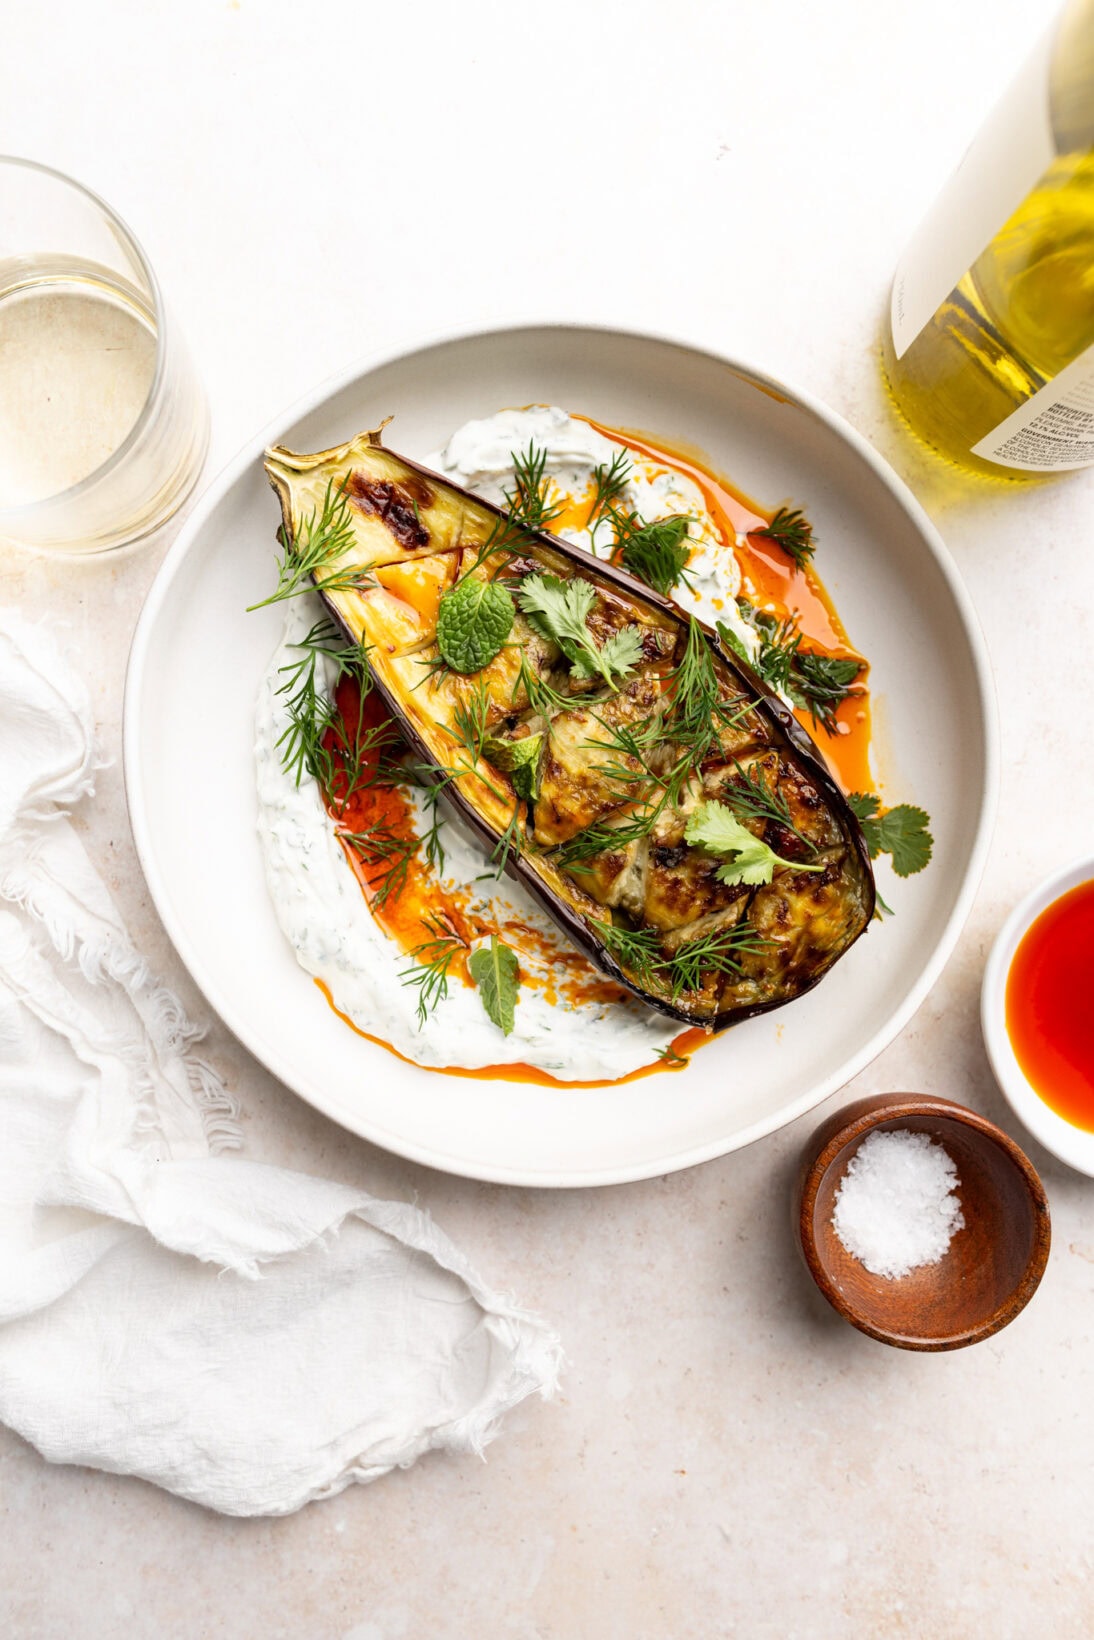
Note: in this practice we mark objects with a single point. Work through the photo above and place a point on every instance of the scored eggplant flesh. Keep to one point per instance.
(414, 535)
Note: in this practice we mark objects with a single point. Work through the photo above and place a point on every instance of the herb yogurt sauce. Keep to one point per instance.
(316, 895)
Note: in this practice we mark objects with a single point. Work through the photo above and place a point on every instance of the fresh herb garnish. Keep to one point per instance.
(609, 483)
(598, 838)
(431, 962)
(308, 562)
(670, 1058)
(509, 842)
(900, 832)
(641, 951)
(714, 953)
(495, 971)
(657, 553)
(638, 949)
(307, 696)
(377, 846)
(750, 797)
(733, 643)
(469, 724)
(817, 683)
(519, 759)
(780, 641)
(791, 531)
(474, 619)
(699, 712)
(529, 502)
(715, 828)
(559, 610)
(822, 682)
(431, 836)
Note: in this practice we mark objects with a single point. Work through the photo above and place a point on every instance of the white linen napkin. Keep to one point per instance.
(247, 1337)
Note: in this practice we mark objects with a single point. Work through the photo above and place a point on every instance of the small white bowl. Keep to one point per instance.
(1071, 1144)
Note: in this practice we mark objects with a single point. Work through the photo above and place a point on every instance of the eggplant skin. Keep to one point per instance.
(414, 534)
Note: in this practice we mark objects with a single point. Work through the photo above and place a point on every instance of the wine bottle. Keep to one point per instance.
(989, 348)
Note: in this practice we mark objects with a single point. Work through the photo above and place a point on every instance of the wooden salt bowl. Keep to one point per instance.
(991, 1268)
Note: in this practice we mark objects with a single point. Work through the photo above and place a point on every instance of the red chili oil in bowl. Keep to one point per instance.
(1050, 1005)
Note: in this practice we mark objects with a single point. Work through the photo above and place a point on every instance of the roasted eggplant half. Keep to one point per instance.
(627, 768)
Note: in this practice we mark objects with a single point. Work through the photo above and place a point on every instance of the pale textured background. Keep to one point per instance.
(312, 181)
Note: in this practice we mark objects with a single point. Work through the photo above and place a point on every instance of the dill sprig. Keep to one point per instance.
(431, 962)
(609, 482)
(432, 845)
(470, 721)
(792, 531)
(379, 845)
(777, 655)
(527, 508)
(309, 561)
(823, 682)
(597, 838)
(528, 503)
(751, 798)
(815, 682)
(308, 698)
(541, 697)
(657, 552)
(699, 712)
(638, 949)
(510, 842)
(715, 953)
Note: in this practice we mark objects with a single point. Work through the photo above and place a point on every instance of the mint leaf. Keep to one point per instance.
(473, 621)
(519, 759)
(495, 971)
(716, 828)
(733, 643)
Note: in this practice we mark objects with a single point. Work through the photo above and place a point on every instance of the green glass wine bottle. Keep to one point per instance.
(989, 348)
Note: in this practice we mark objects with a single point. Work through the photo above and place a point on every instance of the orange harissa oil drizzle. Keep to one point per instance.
(409, 915)
(773, 582)
(684, 1045)
(1049, 1018)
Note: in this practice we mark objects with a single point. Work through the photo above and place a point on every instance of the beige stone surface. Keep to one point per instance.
(726, 1457)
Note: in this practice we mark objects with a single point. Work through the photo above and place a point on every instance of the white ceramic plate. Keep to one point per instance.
(197, 660)
(1072, 1145)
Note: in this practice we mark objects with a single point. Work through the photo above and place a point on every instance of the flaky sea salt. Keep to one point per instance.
(895, 1208)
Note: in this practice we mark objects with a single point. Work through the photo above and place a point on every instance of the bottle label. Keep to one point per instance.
(1054, 430)
(1012, 151)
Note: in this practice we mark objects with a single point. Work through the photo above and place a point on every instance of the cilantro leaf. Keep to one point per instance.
(716, 828)
(900, 832)
(495, 971)
(473, 621)
(519, 759)
(863, 806)
(559, 610)
(619, 653)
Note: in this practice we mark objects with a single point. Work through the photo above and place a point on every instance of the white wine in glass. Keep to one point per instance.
(103, 424)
